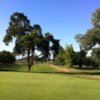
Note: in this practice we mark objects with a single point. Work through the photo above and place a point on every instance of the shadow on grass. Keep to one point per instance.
(11, 67)
(71, 73)
(23, 68)
(87, 68)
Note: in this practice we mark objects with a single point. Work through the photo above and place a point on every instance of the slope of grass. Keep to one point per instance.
(42, 86)
(16, 83)
(22, 67)
(76, 70)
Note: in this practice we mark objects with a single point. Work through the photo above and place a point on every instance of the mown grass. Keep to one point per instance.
(44, 68)
(22, 67)
(42, 86)
(46, 83)
(87, 71)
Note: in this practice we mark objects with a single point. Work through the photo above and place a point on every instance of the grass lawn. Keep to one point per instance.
(47, 85)
(38, 68)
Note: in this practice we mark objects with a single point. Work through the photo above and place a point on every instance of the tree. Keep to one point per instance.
(92, 36)
(80, 58)
(96, 57)
(55, 47)
(19, 28)
(6, 57)
(59, 59)
(89, 62)
(96, 18)
(29, 38)
(42, 44)
(55, 44)
(69, 55)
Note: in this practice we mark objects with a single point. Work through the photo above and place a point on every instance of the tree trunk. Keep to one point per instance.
(80, 65)
(28, 60)
(29, 66)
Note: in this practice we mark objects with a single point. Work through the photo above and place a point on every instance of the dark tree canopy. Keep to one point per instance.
(96, 18)
(19, 25)
(29, 38)
(6, 57)
(96, 56)
(92, 36)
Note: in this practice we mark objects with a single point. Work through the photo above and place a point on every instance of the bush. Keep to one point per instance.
(69, 55)
(96, 57)
(59, 59)
(6, 57)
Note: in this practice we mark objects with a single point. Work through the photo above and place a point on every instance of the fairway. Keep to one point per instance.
(47, 86)
(50, 50)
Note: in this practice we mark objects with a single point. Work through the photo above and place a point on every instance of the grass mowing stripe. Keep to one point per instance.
(39, 86)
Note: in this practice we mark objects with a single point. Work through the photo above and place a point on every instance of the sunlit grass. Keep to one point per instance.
(42, 86)
(22, 67)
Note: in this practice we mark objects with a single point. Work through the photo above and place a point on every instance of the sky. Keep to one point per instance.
(63, 18)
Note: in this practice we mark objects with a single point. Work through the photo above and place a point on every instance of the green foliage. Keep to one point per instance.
(96, 56)
(80, 58)
(90, 39)
(59, 59)
(69, 55)
(92, 36)
(88, 62)
(20, 29)
(55, 47)
(96, 18)
(6, 57)
(79, 39)
(29, 38)
(19, 25)
(66, 56)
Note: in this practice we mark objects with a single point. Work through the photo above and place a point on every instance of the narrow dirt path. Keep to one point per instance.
(61, 69)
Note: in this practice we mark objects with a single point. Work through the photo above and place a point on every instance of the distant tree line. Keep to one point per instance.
(71, 58)
(87, 41)
(6, 57)
(29, 38)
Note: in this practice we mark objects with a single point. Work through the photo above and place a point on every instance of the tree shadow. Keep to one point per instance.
(21, 68)
(87, 68)
(71, 73)
(11, 67)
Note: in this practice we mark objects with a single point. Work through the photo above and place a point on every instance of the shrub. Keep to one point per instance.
(96, 57)
(6, 57)
(69, 55)
(59, 59)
